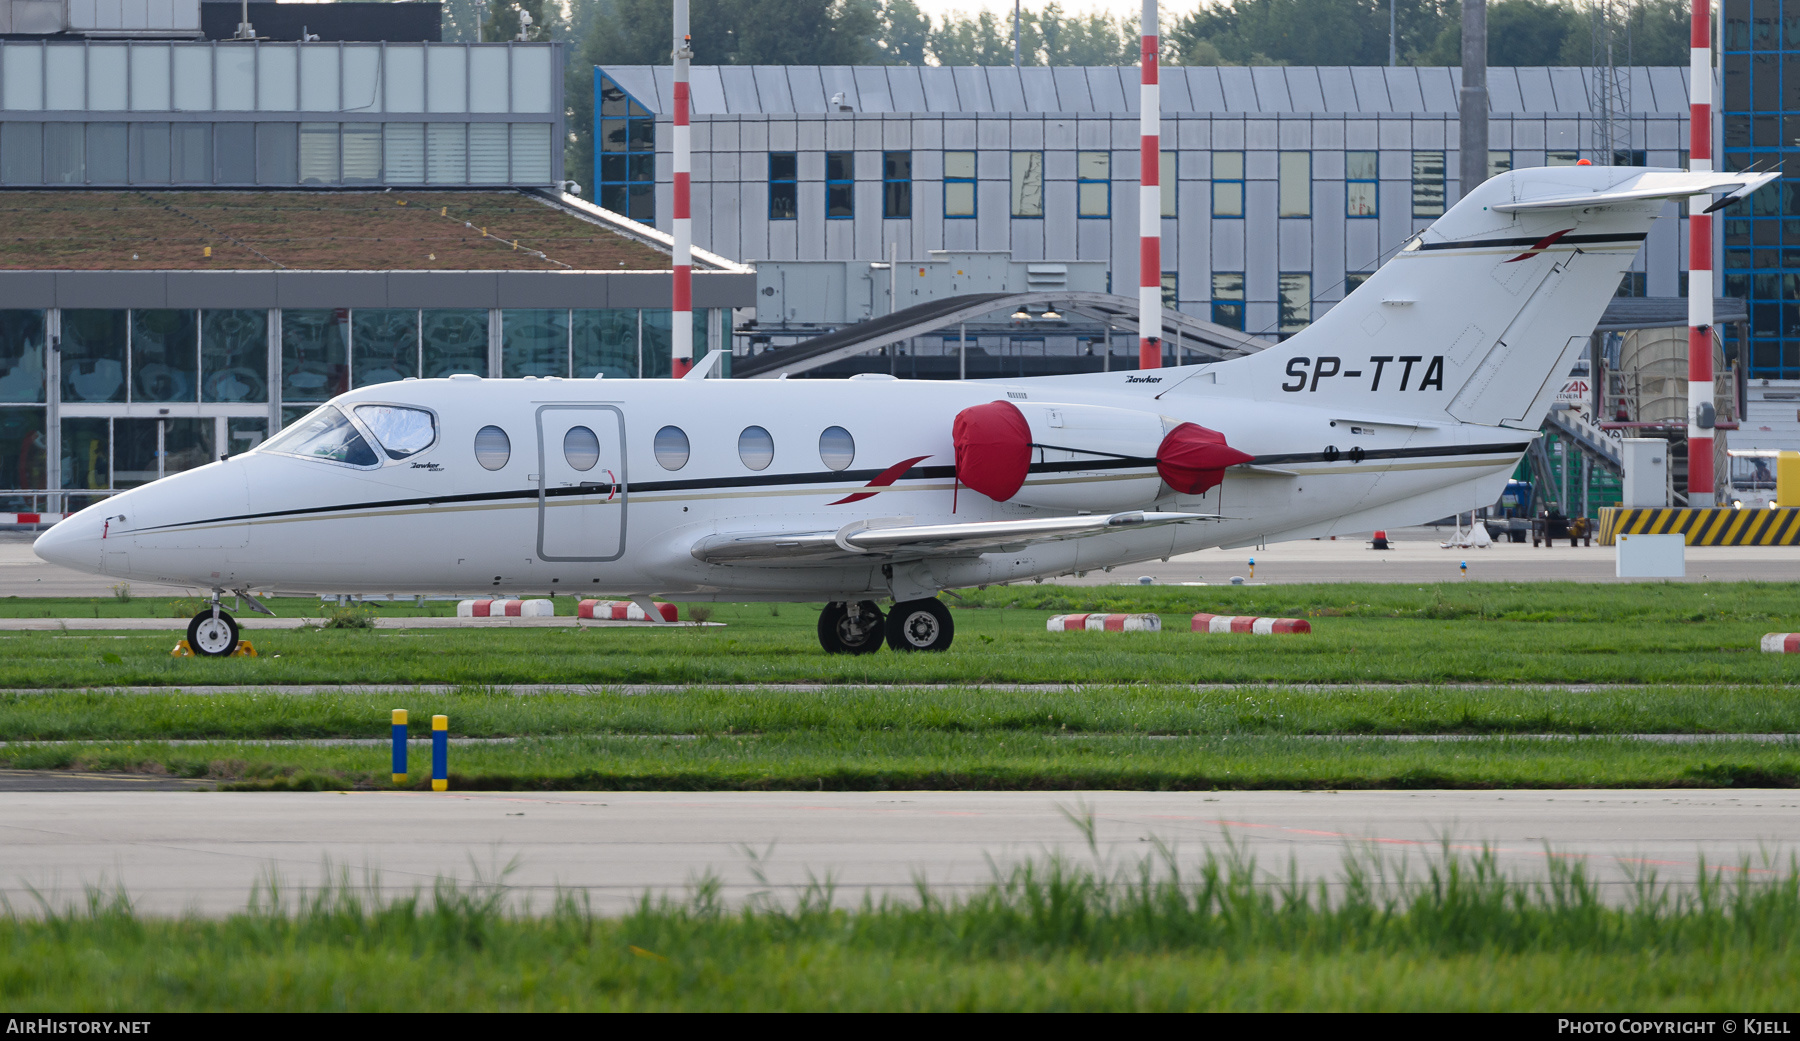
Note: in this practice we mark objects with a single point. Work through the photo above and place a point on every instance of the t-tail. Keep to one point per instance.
(1477, 318)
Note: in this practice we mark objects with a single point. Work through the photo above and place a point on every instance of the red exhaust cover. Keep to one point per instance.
(1192, 459)
(993, 449)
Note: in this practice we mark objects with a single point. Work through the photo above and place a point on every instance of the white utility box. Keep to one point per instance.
(1646, 465)
(1652, 556)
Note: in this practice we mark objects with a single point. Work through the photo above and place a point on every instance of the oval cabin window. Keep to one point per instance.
(492, 447)
(837, 449)
(581, 448)
(756, 448)
(671, 448)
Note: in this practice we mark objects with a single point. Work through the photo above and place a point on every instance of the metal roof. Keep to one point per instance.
(1259, 90)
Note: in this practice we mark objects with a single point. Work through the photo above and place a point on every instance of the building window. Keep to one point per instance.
(1028, 184)
(1561, 158)
(840, 185)
(1093, 184)
(1228, 299)
(1498, 162)
(896, 185)
(1228, 185)
(1171, 289)
(1428, 184)
(1631, 157)
(625, 143)
(1632, 284)
(1362, 184)
(1166, 176)
(784, 197)
(1355, 279)
(1296, 184)
(959, 184)
(1296, 301)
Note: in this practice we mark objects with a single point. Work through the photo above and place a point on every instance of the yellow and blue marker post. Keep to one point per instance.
(440, 753)
(399, 746)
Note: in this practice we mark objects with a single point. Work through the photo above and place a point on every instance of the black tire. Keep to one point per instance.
(920, 625)
(210, 640)
(838, 635)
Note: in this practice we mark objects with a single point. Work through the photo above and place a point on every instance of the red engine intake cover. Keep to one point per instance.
(993, 449)
(1192, 459)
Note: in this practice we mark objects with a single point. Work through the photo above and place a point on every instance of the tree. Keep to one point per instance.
(904, 29)
(461, 21)
(1312, 32)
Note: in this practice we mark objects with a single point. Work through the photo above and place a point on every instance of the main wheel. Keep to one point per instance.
(212, 637)
(843, 631)
(920, 625)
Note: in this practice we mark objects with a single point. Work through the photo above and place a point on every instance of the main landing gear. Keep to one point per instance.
(912, 625)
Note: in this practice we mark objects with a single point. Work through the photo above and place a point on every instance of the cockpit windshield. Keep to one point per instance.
(324, 434)
(401, 431)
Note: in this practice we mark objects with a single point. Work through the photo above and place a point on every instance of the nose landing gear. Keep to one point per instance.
(850, 628)
(213, 633)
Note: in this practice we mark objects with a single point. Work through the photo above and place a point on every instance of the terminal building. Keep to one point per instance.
(206, 238)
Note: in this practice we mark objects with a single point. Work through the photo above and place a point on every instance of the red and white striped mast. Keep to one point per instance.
(1150, 200)
(1700, 263)
(681, 318)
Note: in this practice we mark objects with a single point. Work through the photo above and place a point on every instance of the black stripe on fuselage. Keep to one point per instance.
(1566, 240)
(917, 473)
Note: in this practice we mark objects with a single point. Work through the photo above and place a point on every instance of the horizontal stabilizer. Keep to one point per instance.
(862, 542)
(1647, 186)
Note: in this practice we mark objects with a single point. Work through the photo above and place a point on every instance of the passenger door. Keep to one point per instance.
(582, 485)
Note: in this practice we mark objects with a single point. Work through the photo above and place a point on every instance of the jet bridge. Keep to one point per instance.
(1195, 340)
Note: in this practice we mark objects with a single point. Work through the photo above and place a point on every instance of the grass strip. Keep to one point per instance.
(997, 646)
(846, 760)
(1157, 935)
(1139, 710)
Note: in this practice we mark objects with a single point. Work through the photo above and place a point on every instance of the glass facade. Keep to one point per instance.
(625, 151)
(1760, 111)
(223, 380)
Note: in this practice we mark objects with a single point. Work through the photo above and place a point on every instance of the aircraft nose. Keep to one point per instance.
(74, 542)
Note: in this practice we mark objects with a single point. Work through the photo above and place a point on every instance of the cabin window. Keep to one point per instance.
(581, 448)
(671, 448)
(400, 431)
(837, 449)
(325, 434)
(492, 447)
(756, 448)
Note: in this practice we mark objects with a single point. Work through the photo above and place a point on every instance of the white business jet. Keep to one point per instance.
(1411, 399)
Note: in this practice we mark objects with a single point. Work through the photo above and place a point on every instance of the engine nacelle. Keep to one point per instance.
(1085, 457)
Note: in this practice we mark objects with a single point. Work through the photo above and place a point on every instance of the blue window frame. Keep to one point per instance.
(896, 185)
(840, 185)
(1760, 116)
(624, 151)
(1362, 184)
(1093, 184)
(784, 197)
(959, 185)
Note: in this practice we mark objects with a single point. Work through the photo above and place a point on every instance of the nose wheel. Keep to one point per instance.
(851, 628)
(920, 625)
(213, 634)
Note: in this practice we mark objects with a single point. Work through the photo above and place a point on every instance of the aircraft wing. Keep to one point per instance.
(867, 540)
(1652, 185)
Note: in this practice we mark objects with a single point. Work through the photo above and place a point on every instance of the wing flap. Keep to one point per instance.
(863, 541)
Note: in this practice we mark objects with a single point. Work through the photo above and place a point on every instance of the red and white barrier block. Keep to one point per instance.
(1781, 643)
(1226, 623)
(1106, 623)
(505, 609)
(30, 518)
(622, 611)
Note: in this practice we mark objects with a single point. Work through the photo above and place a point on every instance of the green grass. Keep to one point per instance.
(1215, 935)
(992, 646)
(1136, 710)
(853, 760)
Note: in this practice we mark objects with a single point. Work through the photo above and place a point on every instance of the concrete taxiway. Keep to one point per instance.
(204, 852)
